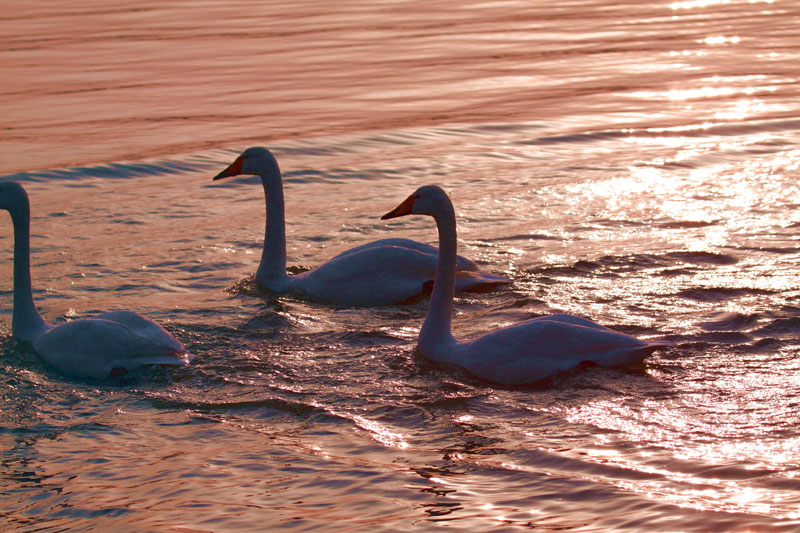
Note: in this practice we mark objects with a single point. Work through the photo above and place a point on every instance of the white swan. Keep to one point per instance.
(518, 354)
(99, 347)
(383, 272)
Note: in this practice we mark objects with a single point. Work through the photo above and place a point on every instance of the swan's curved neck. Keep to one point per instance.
(26, 322)
(272, 269)
(435, 335)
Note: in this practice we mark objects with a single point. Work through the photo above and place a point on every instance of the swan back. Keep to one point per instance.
(541, 347)
(96, 347)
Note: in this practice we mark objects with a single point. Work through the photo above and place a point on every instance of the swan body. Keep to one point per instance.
(96, 347)
(518, 354)
(383, 272)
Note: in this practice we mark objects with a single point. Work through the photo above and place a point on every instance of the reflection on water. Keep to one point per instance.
(164, 78)
(632, 163)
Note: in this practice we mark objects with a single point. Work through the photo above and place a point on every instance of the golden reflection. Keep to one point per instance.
(512, 466)
(691, 4)
(720, 39)
(686, 485)
(762, 453)
(702, 93)
(381, 433)
(698, 53)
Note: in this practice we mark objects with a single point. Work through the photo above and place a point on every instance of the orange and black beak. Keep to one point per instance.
(234, 169)
(403, 209)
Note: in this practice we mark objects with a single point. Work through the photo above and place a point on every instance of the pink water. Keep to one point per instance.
(633, 163)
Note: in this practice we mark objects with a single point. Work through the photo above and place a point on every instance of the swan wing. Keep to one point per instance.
(97, 346)
(462, 263)
(143, 327)
(371, 276)
(467, 281)
(538, 348)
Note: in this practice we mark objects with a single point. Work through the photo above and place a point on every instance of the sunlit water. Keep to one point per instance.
(633, 163)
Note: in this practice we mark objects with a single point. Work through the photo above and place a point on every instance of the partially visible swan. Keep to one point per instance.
(522, 353)
(98, 347)
(383, 272)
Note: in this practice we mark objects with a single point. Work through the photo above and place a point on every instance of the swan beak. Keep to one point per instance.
(406, 208)
(234, 169)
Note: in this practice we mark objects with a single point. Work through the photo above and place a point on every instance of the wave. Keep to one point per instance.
(272, 403)
(672, 263)
(719, 294)
(211, 161)
(723, 129)
(159, 167)
(709, 258)
(771, 249)
(731, 322)
(781, 327)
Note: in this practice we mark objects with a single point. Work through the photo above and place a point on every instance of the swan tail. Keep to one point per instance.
(467, 281)
(630, 354)
(122, 366)
(175, 359)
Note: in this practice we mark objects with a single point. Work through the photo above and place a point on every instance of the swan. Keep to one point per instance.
(383, 272)
(104, 346)
(518, 354)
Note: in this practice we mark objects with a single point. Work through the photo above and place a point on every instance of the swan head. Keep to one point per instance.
(12, 196)
(427, 200)
(256, 161)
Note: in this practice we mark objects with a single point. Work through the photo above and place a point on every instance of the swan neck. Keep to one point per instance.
(272, 269)
(26, 322)
(435, 334)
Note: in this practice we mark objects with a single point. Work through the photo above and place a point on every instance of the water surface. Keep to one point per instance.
(635, 164)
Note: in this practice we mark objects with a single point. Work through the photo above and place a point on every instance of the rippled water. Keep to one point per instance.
(633, 163)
